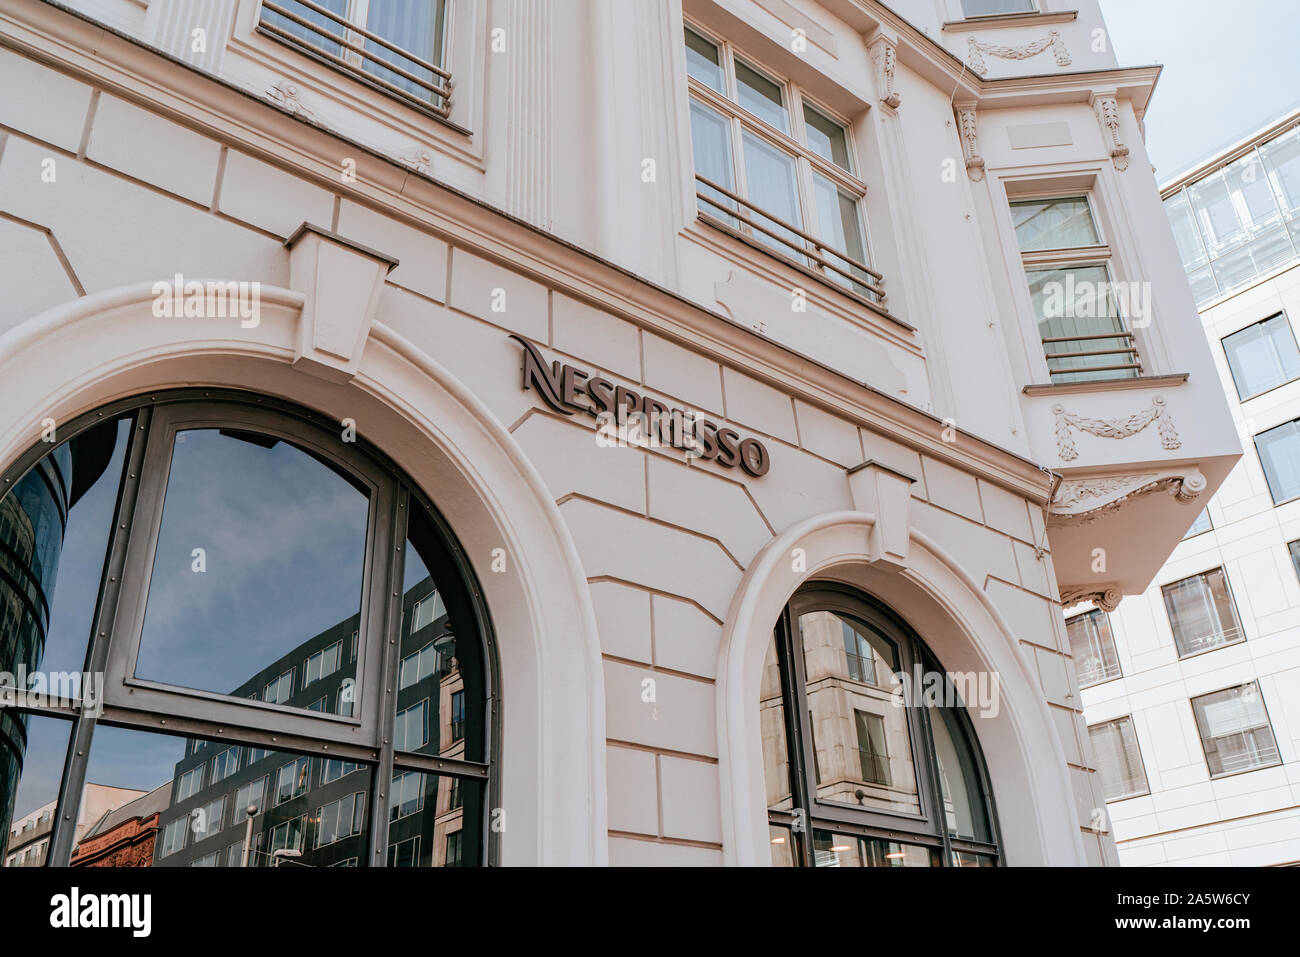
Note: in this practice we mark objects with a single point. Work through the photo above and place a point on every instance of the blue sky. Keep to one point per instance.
(1229, 69)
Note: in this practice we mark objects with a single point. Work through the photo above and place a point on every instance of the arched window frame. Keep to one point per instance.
(135, 704)
(809, 815)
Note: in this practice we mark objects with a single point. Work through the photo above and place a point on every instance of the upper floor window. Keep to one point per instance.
(395, 45)
(1068, 268)
(1202, 524)
(1262, 356)
(1092, 646)
(1294, 548)
(993, 8)
(1236, 734)
(1119, 760)
(775, 168)
(1279, 454)
(862, 773)
(1202, 613)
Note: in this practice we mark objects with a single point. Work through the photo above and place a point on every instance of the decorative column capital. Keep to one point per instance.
(969, 131)
(884, 58)
(1106, 106)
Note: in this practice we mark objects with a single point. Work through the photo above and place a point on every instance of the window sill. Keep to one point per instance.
(1106, 385)
(999, 20)
(1232, 774)
(1206, 651)
(752, 243)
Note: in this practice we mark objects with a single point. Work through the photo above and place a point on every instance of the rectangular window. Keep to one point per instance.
(873, 754)
(225, 764)
(322, 664)
(346, 698)
(417, 666)
(332, 770)
(251, 794)
(1119, 759)
(1262, 356)
(1092, 646)
(341, 819)
(1294, 548)
(1279, 454)
(452, 856)
(207, 860)
(411, 729)
(776, 169)
(173, 837)
(288, 836)
(408, 794)
(1202, 524)
(1075, 304)
(457, 716)
(278, 690)
(993, 8)
(209, 819)
(189, 783)
(426, 611)
(292, 780)
(396, 45)
(1235, 730)
(857, 650)
(1202, 613)
(404, 853)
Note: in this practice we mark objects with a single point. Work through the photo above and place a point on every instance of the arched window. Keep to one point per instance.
(870, 758)
(240, 637)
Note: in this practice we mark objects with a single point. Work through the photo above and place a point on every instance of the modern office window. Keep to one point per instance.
(395, 45)
(1202, 613)
(404, 853)
(1241, 221)
(1294, 548)
(775, 168)
(457, 716)
(1092, 646)
(1202, 524)
(299, 514)
(341, 819)
(207, 860)
(293, 780)
(993, 8)
(1067, 265)
(896, 768)
(1279, 454)
(426, 611)
(333, 770)
(1262, 356)
(288, 836)
(1119, 759)
(452, 856)
(408, 794)
(417, 666)
(411, 730)
(1235, 731)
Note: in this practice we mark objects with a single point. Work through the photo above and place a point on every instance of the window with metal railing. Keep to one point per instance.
(1202, 614)
(1236, 734)
(775, 169)
(1075, 302)
(396, 46)
(1092, 646)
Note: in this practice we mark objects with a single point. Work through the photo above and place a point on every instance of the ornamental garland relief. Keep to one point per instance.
(977, 48)
(1121, 428)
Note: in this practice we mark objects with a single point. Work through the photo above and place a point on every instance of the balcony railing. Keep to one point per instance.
(1066, 362)
(430, 93)
(802, 250)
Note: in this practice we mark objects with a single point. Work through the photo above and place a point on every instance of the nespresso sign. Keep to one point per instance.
(624, 417)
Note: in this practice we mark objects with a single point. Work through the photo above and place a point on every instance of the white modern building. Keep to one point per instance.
(492, 431)
(1192, 689)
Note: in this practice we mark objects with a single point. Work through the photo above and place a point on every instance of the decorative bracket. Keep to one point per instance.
(1105, 597)
(1083, 501)
(970, 141)
(886, 494)
(1107, 108)
(884, 57)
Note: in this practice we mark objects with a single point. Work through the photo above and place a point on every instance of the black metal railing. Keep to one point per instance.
(1065, 358)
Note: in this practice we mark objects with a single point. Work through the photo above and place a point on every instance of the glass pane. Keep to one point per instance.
(861, 738)
(783, 849)
(772, 720)
(322, 27)
(1294, 548)
(772, 187)
(1204, 286)
(1119, 760)
(1201, 612)
(415, 26)
(32, 751)
(1077, 301)
(1202, 524)
(1262, 356)
(1054, 223)
(839, 226)
(1279, 453)
(988, 8)
(967, 859)
(702, 61)
(1221, 225)
(54, 528)
(711, 141)
(826, 137)
(1185, 233)
(1281, 159)
(435, 821)
(1235, 730)
(441, 695)
(1253, 200)
(258, 571)
(847, 850)
(761, 96)
(301, 819)
(964, 808)
(1092, 646)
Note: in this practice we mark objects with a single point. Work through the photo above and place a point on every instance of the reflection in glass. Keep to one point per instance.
(772, 186)
(847, 850)
(826, 137)
(434, 821)
(771, 718)
(1054, 223)
(1262, 356)
(312, 818)
(54, 528)
(29, 788)
(416, 26)
(1076, 300)
(703, 61)
(861, 740)
(761, 96)
(963, 794)
(783, 848)
(258, 571)
(711, 143)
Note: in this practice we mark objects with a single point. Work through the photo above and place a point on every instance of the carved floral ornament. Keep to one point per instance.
(1120, 428)
(977, 48)
(1106, 597)
(1107, 108)
(970, 146)
(1083, 501)
(884, 57)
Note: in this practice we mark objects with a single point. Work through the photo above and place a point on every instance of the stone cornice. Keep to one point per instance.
(70, 42)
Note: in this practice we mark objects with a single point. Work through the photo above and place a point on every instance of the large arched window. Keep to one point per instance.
(239, 637)
(869, 755)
